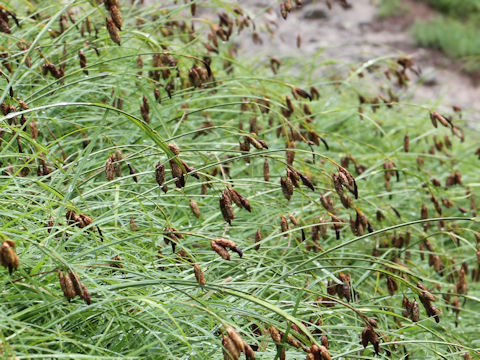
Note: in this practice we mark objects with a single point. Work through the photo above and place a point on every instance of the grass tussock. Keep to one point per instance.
(464, 8)
(163, 196)
(457, 38)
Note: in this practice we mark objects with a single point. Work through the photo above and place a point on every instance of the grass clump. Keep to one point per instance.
(387, 8)
(456, 38)
(168, 198)
(464, 8)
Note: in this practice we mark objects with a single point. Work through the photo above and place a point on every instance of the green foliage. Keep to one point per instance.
(462, 8)
(456, 38)
(388, 8)
(145, 300)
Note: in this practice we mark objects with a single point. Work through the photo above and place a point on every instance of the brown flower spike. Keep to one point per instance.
(220, 246)
(233, 345)
(113, 31)
(199, 275)
(8, 256)
(72, 286)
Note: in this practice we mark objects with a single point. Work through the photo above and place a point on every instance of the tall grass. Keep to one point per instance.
(456, 38)
(145, 300)
(464, 8)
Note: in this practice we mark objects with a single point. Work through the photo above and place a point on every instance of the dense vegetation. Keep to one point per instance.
(165, 197)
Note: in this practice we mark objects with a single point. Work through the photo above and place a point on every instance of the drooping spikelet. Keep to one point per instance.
(8, 256)
(113, 31)
(199, 274)
(195, 208)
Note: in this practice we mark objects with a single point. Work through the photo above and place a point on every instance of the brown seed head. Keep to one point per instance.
(287, 187)
(236, 338)
(258, 238)
(249, 353)
(266, 171)
(113, 31)
(226, 208)
(275, 334)
(284, 225)
(8, 256)
(86, 294)
(230, 350)
(116, 17)
(229, 244)
(177, 171)
(199, 275)
(66, 285)
(220, 250)
(195, 208)
(406, 143)
(160, 174)
(110, 168)
(83, 61)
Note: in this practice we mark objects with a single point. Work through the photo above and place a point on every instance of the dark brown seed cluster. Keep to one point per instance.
(292, 180)
(116, 262)
(477, 152)
(258, 239)
(286, 6)
(277, 334)
(343, 179)
(370, 336)
(233, 345)
(72, 286)
(342, 288)
(4, 22)
(360, 224)
(337, 225)
(319, 230)
(172, 236)
(83, 61)
(221, 247)
(447, 122)
(411, 309)
(110, 168)
(226, 207)
(113, 165)
(454, 179)
(229, 197)
(318, 352)
(8, 255)
(160, 174)
(199, 275)
(78, 220)
(195, 209)
(284, 225)
(406, 143)
(145, 109)
(275, 64)
(56, 71)
(200, 76)
(266, 171)
(179, 169)
(115, 23)
(426, 298)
